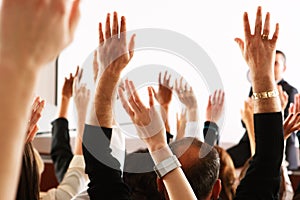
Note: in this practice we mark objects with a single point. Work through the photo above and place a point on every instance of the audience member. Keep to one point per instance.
(21, 43)
(61, 151)
(164, 97)
(113, 186)
(241, 152)
(262, 179)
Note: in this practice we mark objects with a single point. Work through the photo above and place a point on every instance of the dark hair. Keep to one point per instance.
(203, 172)
(283, 55)
(227, 174)
(28, 188)
(143, 185)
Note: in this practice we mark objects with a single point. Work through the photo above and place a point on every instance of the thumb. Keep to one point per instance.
(240, 42)
(154, 92)
(75, 85)
(151, 101)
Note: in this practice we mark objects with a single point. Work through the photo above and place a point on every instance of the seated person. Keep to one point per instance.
(28, 43)
(105, 179)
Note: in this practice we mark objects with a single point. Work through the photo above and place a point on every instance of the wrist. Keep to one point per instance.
(193, 114)
(160, 153)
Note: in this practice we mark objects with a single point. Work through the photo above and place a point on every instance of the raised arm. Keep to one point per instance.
(81, 100)
(114, 56)
(101, 166)
(151, 130)
(164, 96)
(21, 43)
(188, 99)
(214, 111)
(262, 179)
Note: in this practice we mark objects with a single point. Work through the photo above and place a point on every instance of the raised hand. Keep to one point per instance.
(164, 93)
(259, 53)
(113, 49)
(215, 106)
(284, 97)
(36, 110)
(185, 94)
(291, 124)
(81, 100)
(148, 122)
(67, 90)
(257, 49)
(295, 107)
(181, 124)
(25, 44)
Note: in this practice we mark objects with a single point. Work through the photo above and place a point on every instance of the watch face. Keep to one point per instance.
(248, 76)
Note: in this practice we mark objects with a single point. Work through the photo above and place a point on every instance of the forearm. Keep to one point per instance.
(103, 169)
(175, 179)
(61, 151)
(80, 129)
(16, 88)
(104, 96)
(165, 113)
(64, 106)
(192, 114)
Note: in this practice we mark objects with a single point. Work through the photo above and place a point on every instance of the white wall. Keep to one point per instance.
(212, 24)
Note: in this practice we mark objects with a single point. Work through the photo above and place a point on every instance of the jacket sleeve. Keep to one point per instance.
(61, 151)
(102, 168)
(262, 179)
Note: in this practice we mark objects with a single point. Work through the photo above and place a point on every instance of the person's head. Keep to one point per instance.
(201, 170)
(280, 65)
(201, 164)
(28, 188)
(227, 175)
(142, 184)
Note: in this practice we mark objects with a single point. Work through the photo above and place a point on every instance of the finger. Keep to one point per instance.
(101, 36)
(258, 22)
(176, 87)
(136, 97)
(275, 35)
(32, 133)
(240, 42)
(154, 92)
(165, 78)
(159, 78)
(222, 97)
(115, 27)
(247, 30)
(35, 103)
(180, 83)
(168, 80)
(123, 30)
(80, 74)
(150, 93)
(77, 71)
(266, 30)
(131, 46)
(75, 86)
(185, 87)
(130, 96)
(107, 27)
(209, 101)
(125, 103)
(74, 17)
(297, 103)
(291, 108)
